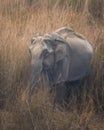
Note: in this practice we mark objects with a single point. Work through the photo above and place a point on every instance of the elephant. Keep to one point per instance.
(63, 55)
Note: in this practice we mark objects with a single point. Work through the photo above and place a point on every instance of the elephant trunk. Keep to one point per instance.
(35, 75)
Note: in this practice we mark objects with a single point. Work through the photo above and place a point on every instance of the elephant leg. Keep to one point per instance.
(73, 88)
(59, 93)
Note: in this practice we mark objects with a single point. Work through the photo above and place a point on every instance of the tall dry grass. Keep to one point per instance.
(18, 23)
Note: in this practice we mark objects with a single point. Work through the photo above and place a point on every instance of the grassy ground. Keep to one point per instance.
(18, 23)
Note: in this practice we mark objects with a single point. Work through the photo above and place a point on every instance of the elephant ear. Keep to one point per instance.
(62, 60)
(56, 46)
(56, 60)
(60, 51)
(55, 43)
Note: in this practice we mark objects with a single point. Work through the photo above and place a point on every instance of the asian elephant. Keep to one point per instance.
(63, 55)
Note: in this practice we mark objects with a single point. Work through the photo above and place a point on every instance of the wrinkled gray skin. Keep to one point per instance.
(63, 55)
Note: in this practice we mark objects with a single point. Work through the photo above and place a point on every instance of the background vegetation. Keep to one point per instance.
(19, 21)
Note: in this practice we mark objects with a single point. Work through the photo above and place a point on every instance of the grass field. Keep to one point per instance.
(19, 21)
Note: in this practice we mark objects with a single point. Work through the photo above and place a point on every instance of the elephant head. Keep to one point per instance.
(49, 56)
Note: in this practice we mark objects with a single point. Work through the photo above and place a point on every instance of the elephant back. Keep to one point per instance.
(69, 33)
